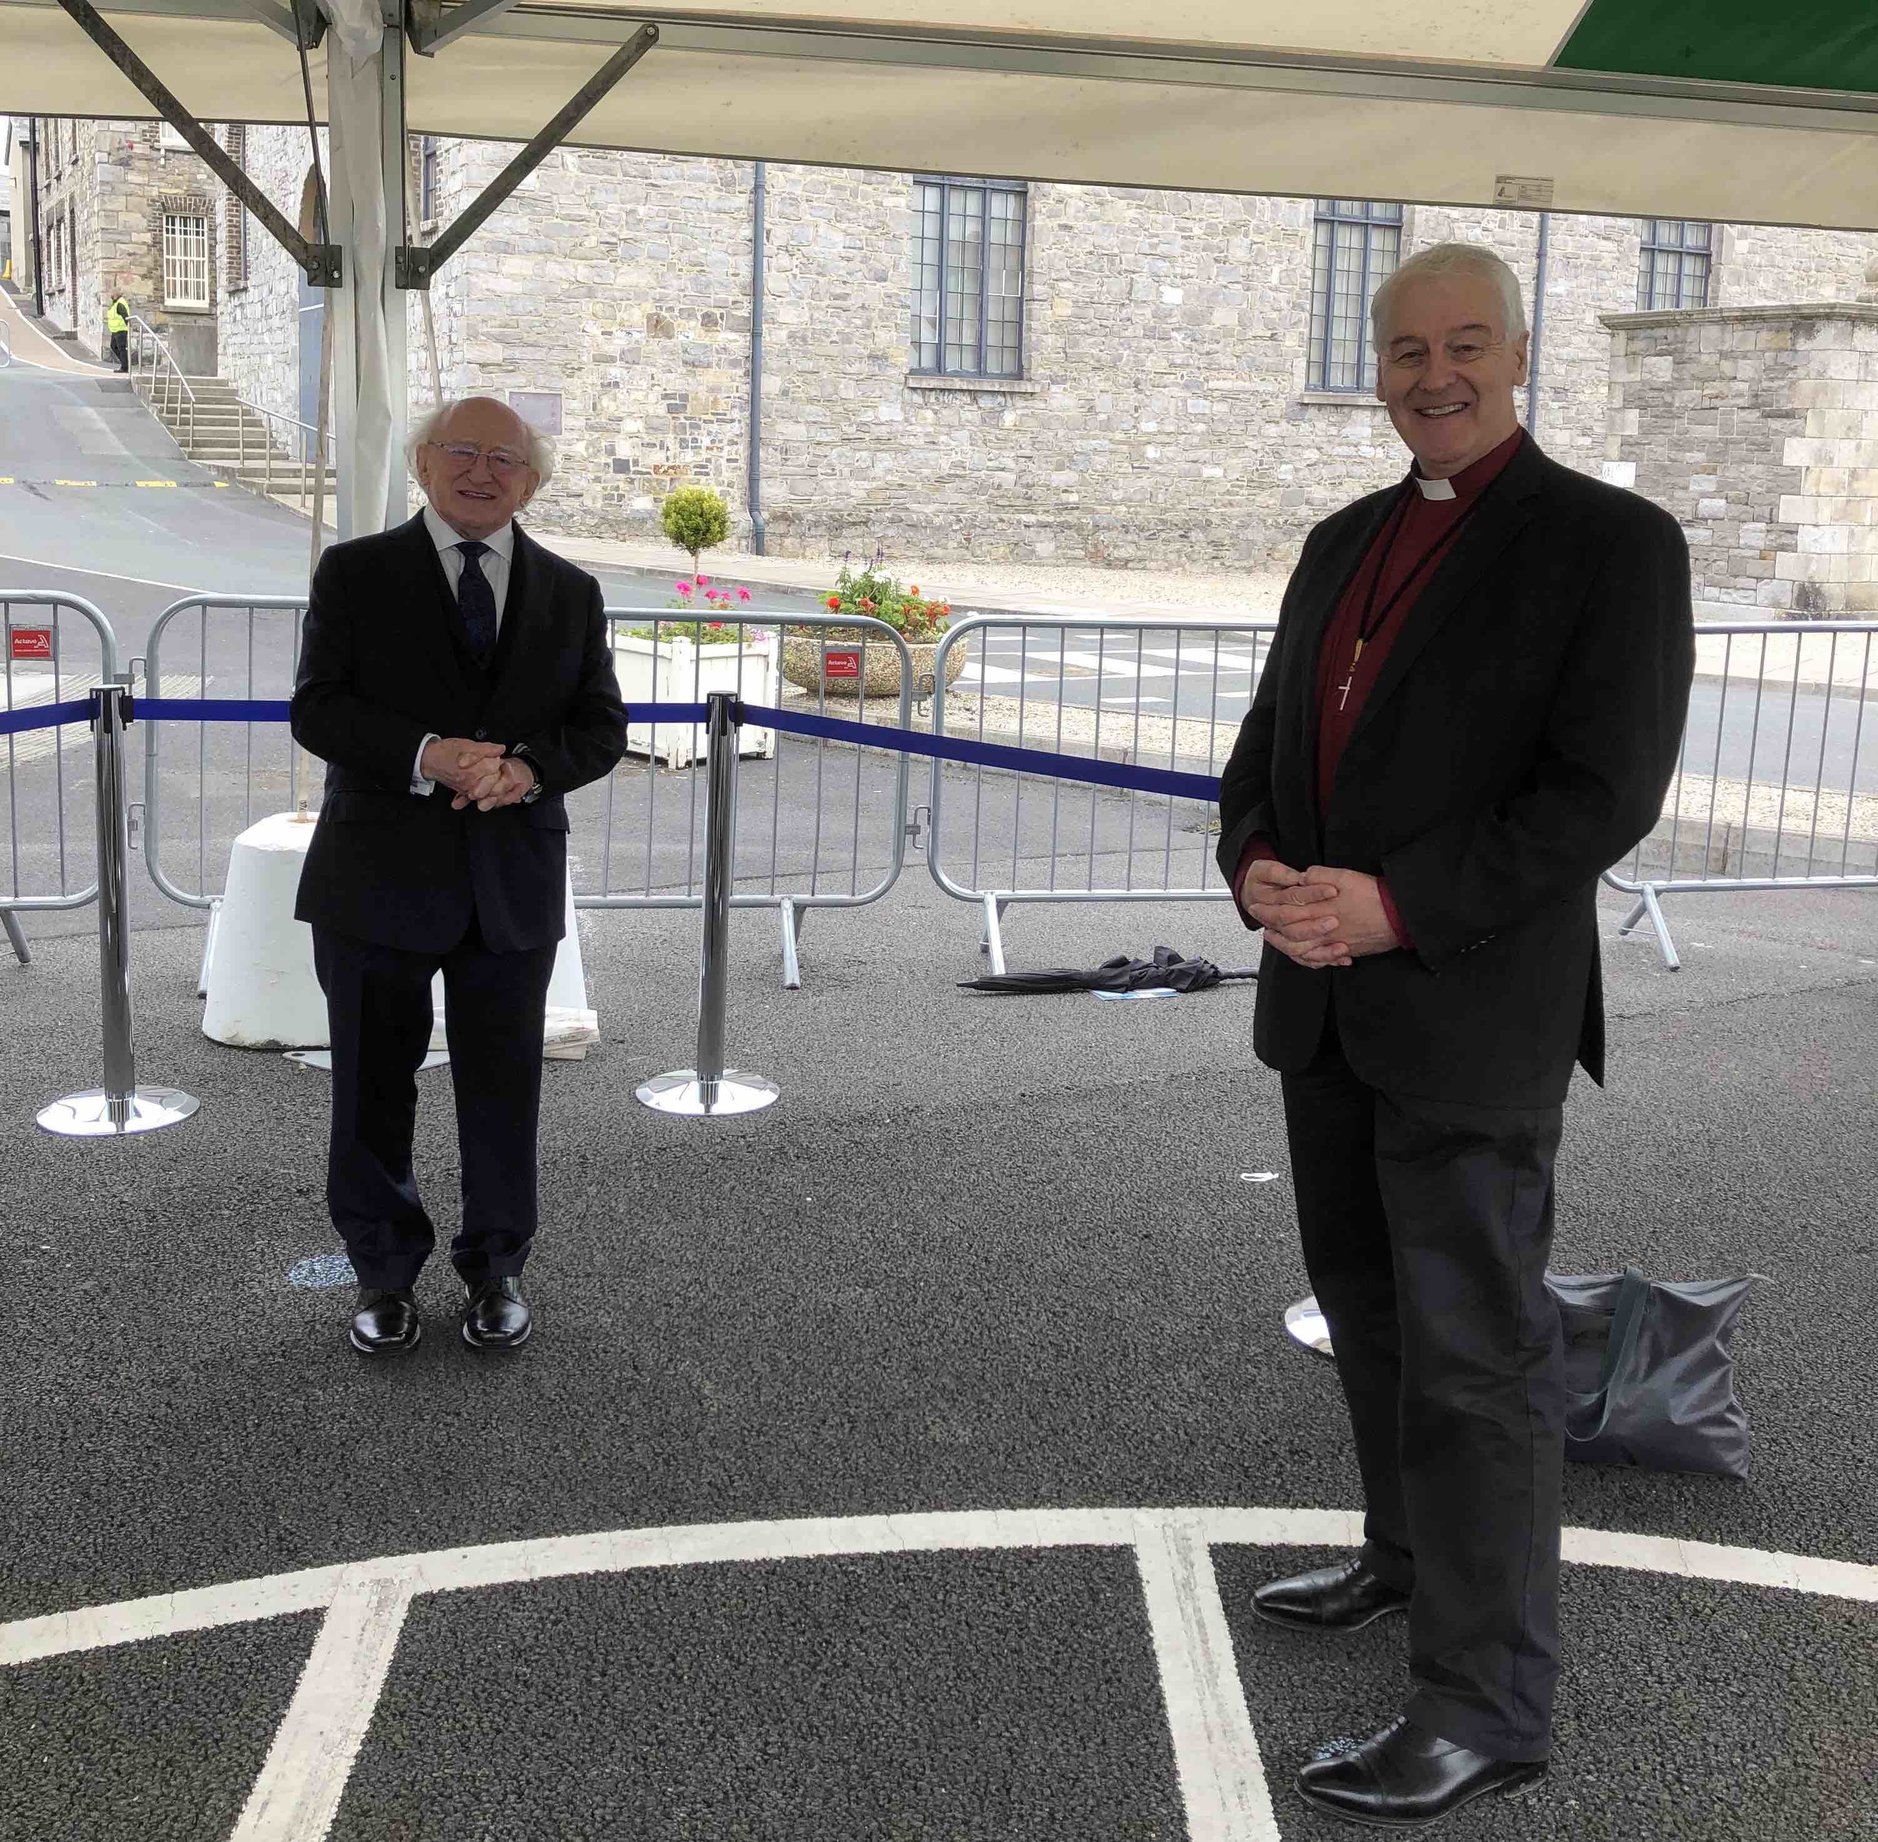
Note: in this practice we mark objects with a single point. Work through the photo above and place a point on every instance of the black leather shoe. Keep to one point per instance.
(1331, 1599)
(1406, 1778)
(497, 1315)
(385, 1323)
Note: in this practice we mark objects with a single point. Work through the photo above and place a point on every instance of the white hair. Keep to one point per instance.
(429, 425)
(1452, 259)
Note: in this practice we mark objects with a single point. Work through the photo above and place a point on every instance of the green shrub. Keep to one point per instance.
(880, 596)
(695, 518)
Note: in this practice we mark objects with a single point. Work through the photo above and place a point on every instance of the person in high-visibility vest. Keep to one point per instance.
(117, 322)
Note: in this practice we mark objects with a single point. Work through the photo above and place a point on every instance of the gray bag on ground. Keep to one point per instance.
(1649, 1377)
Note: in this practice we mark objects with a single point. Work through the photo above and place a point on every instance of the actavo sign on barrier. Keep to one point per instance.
(29, 643)
(841, 661)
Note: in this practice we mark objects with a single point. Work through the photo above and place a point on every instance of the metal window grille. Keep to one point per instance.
(185, 259)
(968, 281)
(1358, 242)
(1673, 268)
(427, 178)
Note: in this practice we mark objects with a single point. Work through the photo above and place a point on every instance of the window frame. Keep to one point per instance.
(170, 138)
(948, 187)
(427, 177)
(1368, 218)
(173, 300)
(1655, 245)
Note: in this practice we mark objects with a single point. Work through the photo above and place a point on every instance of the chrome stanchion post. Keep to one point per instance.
(120, 1106)
(710, 1087)
(1304, 1323)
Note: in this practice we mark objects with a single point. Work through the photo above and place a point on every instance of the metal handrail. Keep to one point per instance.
(171, 375)
(267, 448)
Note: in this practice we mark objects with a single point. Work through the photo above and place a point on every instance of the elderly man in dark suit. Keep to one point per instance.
(1472, 707)
(458, 680)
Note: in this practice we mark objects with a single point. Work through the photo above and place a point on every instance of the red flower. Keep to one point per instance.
(834, 601)
(867, 604)
(717, 626)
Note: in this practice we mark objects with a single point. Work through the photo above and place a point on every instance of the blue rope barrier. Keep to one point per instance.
(45, 716)
(210, 710)
(1169, 781)
(277, 710)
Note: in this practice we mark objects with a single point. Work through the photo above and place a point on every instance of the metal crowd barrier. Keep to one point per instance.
(820, 824)
(54, 648)
(1164, 693)
(1776, 784)
(201, 790)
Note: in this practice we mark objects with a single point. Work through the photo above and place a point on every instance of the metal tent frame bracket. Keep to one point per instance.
(322, 262)
(417, 263)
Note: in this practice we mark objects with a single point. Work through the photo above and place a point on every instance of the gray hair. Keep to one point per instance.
(1452, 259)
(429, 425)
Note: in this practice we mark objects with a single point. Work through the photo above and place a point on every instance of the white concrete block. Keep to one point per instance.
(262, 991)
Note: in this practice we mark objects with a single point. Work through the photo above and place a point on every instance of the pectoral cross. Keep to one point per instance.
(1344, 697)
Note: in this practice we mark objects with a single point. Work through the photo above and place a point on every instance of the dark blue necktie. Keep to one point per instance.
(476, 602)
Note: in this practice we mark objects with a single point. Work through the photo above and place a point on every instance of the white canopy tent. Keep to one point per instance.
(1726, 109)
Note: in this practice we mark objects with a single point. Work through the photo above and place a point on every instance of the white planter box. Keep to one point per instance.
(677, 671)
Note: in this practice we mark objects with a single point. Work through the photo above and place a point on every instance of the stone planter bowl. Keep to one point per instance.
(802, 665)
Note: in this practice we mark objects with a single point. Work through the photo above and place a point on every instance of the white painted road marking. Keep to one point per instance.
(297, 1794)
(1216, 1750)
(1222, 1778)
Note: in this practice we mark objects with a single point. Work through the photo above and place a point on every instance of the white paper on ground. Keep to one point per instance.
(323, 1059)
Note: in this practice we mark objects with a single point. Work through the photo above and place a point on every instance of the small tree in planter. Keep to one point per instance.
(695, 518)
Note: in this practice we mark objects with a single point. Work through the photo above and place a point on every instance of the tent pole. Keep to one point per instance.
(370, 370)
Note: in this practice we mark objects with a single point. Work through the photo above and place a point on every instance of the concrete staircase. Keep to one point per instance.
(217, 430)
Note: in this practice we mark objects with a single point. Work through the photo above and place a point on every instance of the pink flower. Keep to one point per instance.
(702, 580)
(743, 594)
(684, 588)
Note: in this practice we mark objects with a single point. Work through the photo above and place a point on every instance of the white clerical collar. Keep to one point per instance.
(1435, 489)
(446, 537)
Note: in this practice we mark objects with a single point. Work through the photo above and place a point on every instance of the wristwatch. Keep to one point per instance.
(520, 752)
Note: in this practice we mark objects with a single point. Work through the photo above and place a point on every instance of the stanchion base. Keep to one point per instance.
(88, 1115)
(734, 1091)
(1304, 1324)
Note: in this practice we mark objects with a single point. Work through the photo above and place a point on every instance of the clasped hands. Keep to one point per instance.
(1318, 917)
(478, 773)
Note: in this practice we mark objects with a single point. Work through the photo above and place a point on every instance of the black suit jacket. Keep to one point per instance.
(1517, 743)
(384, 661)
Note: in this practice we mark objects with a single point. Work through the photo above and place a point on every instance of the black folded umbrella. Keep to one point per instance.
(1166, 971)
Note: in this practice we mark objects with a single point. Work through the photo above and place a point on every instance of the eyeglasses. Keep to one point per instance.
(1461, 352)
(462, 455)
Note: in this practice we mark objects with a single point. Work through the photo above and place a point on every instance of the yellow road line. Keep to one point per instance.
(153, 482)
(74, 482)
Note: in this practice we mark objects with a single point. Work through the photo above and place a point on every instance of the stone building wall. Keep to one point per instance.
(1163, 415)
(260, 332)
(117, 186)
(1758, 429)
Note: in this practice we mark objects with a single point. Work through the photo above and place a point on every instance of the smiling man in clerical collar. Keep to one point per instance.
(1471, 708)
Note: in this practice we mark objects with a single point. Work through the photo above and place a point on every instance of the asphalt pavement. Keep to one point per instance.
(895, 1463)
(991, 1256)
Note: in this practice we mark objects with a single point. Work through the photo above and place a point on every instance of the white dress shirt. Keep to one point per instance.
(495, 563)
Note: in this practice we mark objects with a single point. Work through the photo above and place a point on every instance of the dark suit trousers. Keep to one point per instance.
(1426, 1228)
(378, 1001)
